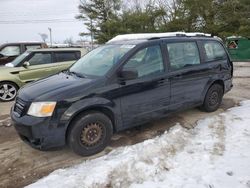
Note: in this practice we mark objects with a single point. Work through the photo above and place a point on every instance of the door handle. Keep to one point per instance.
(179, 76)
(162, 81)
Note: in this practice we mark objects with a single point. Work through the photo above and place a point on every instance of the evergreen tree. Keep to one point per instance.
(108, 18)
(96, 14)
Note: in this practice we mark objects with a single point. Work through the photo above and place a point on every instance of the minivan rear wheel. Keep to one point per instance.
(213, 98)
(8, 91)
(90, 133)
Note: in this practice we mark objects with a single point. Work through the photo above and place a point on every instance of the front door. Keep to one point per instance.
(39, 67)
(148, 96)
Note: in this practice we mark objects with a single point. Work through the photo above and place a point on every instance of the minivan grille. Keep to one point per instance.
(20, 107)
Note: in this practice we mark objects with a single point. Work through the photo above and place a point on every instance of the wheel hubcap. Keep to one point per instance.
(213, 99)
(91, 134)
(7, 92)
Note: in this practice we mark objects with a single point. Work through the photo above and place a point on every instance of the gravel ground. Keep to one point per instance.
(22, 165)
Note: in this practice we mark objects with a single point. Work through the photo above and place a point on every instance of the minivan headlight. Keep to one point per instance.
(42, 109)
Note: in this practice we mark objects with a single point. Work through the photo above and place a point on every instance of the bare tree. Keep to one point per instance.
(44, 36)
(135, 4)
(69, 41)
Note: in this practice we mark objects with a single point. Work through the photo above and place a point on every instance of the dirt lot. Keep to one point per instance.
(22, 165)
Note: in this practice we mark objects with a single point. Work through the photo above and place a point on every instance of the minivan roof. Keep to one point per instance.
(151, 36)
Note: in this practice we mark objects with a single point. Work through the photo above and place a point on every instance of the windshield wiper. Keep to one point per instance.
(76, 73)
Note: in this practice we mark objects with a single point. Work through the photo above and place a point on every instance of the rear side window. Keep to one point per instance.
(214, 51)
(183, 54)
(65, 56)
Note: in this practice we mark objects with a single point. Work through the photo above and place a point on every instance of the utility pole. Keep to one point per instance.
(50, 34)
(91, 33)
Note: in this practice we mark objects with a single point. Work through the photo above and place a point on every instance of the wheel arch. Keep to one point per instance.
(95, 108)
(12, 82)
(218, 81)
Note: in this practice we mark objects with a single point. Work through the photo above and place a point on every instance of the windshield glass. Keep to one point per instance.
(16, 61)
(100, 60)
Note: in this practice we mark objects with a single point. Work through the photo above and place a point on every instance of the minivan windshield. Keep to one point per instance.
(100, 60)
(19, 59)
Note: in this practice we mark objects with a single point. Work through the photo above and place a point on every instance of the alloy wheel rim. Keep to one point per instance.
(7, 92)
(91, 134)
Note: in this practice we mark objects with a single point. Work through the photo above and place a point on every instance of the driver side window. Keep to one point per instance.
(147, 61)
(40, 58)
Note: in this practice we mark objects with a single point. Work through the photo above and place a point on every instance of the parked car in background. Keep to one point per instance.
(238, 48)
(33, 65)
(9, 51)
(129, 81)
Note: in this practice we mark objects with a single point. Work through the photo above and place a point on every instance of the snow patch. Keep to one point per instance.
(213, 154)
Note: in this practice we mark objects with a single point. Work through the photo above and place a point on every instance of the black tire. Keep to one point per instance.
(8, 91)
(213, 98)
(90, 133)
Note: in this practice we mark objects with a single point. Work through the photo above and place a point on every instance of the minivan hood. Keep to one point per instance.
(54, 88)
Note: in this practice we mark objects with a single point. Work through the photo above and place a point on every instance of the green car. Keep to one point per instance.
(33, 65)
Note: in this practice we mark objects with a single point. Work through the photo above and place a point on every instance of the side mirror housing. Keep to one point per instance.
(128, 74)
(1, 55)
(26, 64)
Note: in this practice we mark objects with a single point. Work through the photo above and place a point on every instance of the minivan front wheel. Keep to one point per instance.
(8, 91)
(213, 98)
(90, 133)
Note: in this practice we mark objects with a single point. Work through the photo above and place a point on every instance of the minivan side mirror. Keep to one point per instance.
(26, 64)
(128, 74)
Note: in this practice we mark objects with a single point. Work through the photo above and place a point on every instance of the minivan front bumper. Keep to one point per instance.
(40, 133)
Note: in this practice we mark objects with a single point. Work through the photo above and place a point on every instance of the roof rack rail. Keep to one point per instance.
(153, 36)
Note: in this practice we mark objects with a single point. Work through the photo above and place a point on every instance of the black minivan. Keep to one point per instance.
(126, 82)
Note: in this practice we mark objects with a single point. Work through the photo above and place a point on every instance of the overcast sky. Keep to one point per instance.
(23, 20)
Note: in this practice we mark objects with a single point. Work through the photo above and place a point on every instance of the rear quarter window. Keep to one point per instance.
(66, 56)
(78, 54)
(214, 51)
(11, 50)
